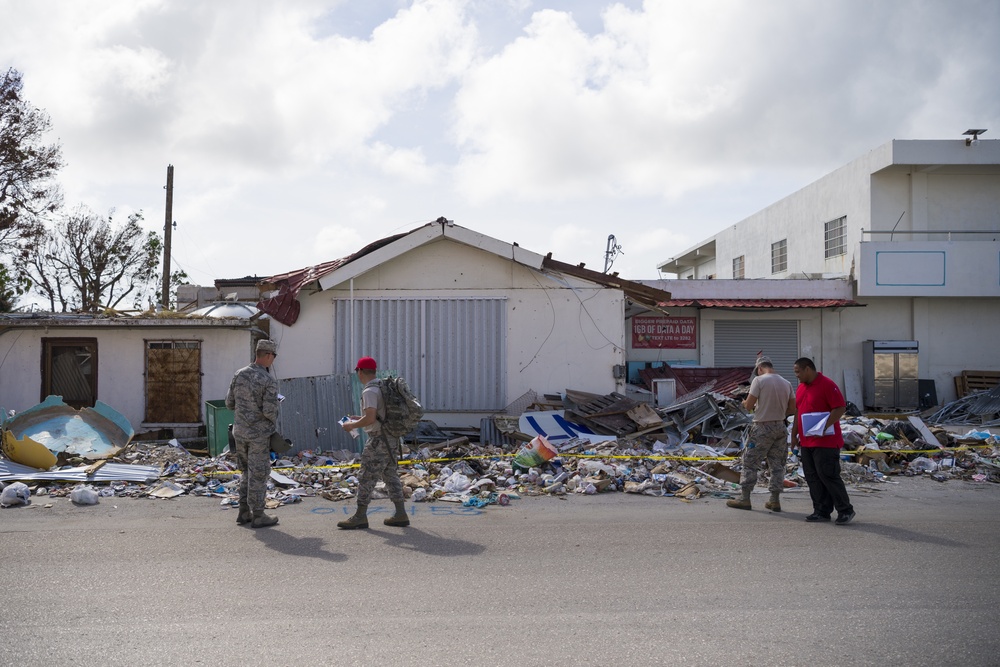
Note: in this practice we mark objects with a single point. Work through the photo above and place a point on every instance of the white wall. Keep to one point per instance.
(121, 363)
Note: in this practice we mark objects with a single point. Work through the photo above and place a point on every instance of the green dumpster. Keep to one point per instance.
(217, 420)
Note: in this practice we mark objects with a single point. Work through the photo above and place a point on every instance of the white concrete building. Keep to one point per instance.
(157, 373)
(910, 231)
(471, 322)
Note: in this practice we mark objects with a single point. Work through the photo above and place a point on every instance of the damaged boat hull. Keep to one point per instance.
(35, 436)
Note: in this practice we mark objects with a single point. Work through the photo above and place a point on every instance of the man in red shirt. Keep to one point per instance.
(819, 405)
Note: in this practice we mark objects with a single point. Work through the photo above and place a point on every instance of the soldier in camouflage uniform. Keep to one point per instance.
(253, 397)
(378, 460)
(772, 400)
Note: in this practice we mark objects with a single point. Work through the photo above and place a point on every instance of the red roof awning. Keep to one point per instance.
(760, 303)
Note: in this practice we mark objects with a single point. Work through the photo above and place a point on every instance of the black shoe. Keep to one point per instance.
(813, 518)
(844, 519)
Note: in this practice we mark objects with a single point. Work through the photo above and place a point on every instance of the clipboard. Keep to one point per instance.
(815, 424)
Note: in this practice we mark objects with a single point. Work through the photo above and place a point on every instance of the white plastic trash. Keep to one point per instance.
(17, 493)
(84, 495)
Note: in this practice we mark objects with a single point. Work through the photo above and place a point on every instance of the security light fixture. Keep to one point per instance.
(973, 138)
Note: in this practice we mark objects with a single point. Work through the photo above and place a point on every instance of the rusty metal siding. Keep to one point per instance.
(452, 352)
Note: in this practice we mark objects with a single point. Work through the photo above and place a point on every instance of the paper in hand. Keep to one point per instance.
(814, 424)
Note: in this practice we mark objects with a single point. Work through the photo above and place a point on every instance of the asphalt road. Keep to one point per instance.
(611, 579)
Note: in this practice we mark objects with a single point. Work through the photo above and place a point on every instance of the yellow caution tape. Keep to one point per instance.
(647, 457)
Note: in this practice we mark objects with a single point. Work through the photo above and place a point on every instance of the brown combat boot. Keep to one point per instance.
(245, 516)
(774, 504)
(261, 520)
(359, 520)
(399, 518)
(740, 504)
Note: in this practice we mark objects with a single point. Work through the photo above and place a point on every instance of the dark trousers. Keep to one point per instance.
(821, 466)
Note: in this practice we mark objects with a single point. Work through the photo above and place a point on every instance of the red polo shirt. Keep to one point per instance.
(821, 395)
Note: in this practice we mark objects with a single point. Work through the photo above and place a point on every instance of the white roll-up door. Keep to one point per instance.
(452, 352)
(738, 341)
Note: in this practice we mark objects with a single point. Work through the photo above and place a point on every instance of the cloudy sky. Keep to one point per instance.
(302, 130)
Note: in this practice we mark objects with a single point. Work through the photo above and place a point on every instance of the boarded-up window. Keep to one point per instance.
(69, 369)
(452, 352)
(173, 382)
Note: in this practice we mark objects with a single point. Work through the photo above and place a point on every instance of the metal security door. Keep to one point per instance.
(452, 352)
(738, 341)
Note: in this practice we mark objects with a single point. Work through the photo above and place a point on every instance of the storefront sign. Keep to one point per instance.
(675, 333)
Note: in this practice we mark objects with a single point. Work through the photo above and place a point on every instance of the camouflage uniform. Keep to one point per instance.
(253, 396)
(378, 460)
(766, 441)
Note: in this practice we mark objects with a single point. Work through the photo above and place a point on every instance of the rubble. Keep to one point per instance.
(686, 451)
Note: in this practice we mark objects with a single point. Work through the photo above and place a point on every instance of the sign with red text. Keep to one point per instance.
(658, 333)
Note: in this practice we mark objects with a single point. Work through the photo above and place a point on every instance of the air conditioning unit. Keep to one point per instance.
(664, 392)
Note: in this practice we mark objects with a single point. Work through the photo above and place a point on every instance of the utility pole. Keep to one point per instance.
(167, 226)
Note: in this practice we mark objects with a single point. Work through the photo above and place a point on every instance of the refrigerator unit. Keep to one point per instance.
(890, 370)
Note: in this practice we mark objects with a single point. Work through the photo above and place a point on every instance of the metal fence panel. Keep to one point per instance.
(311, 409)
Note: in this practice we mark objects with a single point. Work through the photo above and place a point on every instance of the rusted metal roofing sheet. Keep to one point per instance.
(759, 303)
(688, 379)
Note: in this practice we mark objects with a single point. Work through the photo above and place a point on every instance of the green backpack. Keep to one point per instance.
(402, 409)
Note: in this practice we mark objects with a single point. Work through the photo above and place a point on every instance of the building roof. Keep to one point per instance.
(760, 303)
(284, 305)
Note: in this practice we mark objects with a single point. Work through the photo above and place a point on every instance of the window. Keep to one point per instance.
(779, 256)
(738, 273)
(834, 235)
(69, 369)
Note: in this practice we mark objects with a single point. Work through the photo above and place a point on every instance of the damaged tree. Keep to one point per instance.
(85, 263)
(27, 190)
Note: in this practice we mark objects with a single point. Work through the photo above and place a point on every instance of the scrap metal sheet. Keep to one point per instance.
(110, 472)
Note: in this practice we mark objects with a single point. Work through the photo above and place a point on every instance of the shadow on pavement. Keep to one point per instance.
(414, 539)
(310, 547)
(882, 530)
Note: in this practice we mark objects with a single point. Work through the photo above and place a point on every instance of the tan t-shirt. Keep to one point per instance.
(773, 393)
(371, 397)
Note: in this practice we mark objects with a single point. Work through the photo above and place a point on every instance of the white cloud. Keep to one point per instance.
(552, 123)
(335, 241)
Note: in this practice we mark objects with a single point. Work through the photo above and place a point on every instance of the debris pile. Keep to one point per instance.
(555, 445)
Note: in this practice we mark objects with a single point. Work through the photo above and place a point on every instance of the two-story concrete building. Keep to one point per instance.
(885, 271)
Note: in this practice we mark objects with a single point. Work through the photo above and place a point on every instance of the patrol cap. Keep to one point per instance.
(762, 360)
(365, 364)
(265, 345)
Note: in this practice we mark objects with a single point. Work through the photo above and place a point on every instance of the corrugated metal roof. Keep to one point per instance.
(759, 303)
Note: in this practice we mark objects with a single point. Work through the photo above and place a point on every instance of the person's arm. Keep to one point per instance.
(367, 419)
(835, 415)
(751, 402)
(231, 396)
(269, 404)
(790, 410)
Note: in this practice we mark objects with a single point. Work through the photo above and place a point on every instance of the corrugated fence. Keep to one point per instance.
(311, 410)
